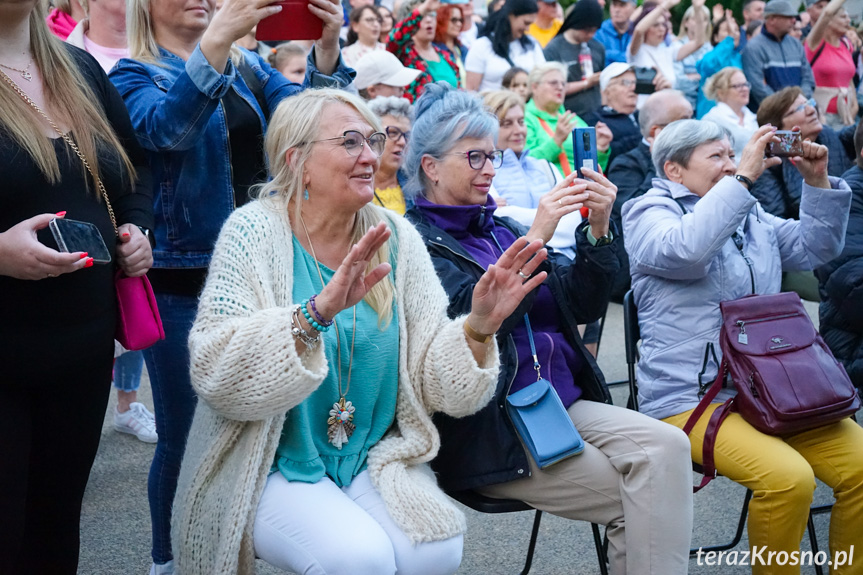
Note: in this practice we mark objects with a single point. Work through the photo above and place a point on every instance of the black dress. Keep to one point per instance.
(56, 343)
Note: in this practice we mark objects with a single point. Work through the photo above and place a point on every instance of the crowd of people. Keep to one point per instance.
(410, 175)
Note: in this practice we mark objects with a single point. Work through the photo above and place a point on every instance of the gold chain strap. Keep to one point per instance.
(68, 140)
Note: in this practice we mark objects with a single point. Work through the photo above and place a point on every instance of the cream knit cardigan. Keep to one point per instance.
(247, 374)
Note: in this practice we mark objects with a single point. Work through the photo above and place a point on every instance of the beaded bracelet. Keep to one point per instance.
(310, 319)
(298, 332)
(318, 316)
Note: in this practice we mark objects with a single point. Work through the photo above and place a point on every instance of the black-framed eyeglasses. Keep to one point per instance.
(354, 141)
(477, 158)
(456, 21)
(394, 133)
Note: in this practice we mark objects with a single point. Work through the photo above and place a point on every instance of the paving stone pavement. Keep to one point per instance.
(115, 527)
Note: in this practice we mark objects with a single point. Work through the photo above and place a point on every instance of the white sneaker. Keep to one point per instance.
(166, 569)
(138, 421)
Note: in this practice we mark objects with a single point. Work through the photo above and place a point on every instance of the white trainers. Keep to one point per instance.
(166, 569)
(138, 421)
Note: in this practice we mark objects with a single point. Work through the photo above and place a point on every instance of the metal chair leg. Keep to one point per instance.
(813, 542)
(738, 535)
(530, 548)
(601, 554)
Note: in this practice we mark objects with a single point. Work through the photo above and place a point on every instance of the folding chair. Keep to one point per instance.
(485, 504)
(632, 335)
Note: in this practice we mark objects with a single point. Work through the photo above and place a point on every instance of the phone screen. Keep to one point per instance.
(790, 144)
(74, 236)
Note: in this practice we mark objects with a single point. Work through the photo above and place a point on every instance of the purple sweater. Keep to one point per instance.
(473, 227)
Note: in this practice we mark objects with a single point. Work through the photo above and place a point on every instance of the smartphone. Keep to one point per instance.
(74, 236)
(294, 22)
(790, 144)
(644, 80)
(584, 148)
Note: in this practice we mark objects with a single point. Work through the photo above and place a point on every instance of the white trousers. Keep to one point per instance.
(321, 529)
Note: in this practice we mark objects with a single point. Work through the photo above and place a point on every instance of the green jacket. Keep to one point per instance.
(543, 146)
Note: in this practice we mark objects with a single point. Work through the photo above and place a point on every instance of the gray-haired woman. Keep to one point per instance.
(634, 473)
(395, 115)
(685, 240)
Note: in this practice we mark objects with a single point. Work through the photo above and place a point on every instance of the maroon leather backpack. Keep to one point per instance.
(787, 379)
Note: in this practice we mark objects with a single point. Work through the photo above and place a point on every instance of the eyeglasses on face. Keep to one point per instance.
(555, 83)
(354, 141)
(372, 20)
(455, 20)
(394, 133)
(476, 158)
(746, 85)
(802, 107)
(625, 83)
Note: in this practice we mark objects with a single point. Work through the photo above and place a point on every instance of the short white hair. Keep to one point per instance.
(676, 142)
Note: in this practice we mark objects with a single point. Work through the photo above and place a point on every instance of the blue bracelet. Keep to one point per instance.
(317, 315)
(309, 318)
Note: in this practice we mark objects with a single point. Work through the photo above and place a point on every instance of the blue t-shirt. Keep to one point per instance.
(304, 452)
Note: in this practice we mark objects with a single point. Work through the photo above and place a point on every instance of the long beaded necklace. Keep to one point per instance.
(340, 425)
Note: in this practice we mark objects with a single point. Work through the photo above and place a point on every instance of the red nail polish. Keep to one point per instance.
(125, 234)
(89, 263)
(82, 256)
(60, 214)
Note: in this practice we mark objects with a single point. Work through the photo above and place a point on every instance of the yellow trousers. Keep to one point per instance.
(781, 473)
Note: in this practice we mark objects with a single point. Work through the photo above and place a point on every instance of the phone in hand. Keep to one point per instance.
(584, 150)
(294, 22)
(74, 236)
(644, 80)
(790, 144)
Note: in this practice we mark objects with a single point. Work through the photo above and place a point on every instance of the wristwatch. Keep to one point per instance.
(148, 235)
(598, 242)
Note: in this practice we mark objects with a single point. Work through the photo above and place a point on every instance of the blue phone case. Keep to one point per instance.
(584, 147)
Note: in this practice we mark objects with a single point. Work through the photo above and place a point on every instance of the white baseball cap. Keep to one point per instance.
(382, 67)
(611, 72)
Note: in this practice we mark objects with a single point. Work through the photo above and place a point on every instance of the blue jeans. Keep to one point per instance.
(174, 405)
(127, 371)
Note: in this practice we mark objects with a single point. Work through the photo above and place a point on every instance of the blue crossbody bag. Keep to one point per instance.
(541, 419)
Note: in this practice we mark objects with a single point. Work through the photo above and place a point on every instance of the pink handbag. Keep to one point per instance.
(138, 322)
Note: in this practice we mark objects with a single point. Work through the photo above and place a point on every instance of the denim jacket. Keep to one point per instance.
(178, 118)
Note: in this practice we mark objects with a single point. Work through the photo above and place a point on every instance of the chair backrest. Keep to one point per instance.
(631, 335)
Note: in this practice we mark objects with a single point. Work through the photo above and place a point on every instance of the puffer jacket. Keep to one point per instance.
(683, 265)
(841, 285)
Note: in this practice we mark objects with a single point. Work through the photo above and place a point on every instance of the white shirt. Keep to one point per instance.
(660, 57)
(482, 60)
(723, 115)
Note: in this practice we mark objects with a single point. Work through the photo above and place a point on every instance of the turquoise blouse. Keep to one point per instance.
(304, 452)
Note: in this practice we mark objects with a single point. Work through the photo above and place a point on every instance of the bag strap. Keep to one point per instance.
(562, 158)
(536, 365)
(70, 142)
(817, 53)
(708, 465)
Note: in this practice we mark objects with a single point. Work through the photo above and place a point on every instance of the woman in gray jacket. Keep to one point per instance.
(698, 238)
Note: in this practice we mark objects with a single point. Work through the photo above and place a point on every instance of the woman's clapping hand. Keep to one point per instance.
(351, 283)
(505, 283)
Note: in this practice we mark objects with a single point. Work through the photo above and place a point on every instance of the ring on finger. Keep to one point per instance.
(560, 202)
(523, 276)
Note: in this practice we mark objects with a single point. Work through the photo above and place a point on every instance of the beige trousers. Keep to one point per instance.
(634, 476)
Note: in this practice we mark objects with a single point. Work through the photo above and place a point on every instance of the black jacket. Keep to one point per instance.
(483, 449)
(841, 286)
(633, 174)
(624, 127)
